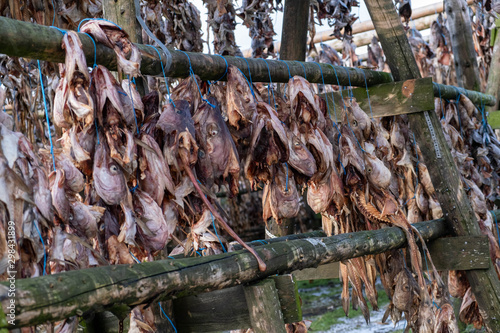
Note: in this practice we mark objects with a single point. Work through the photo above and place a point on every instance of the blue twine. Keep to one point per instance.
(216, 234)
(196, 81)
(350, 85)
(338, 157)
(96, 19)
(137, 260)
(261, 241)
(132, 100)
(248, 66)
(432, 296)
(368, 95)
(326, 95)
(43, 245)
(286, 182)
(338, 82)
(289, 74)
(225, 72)
(496, 224)
(304, 67)
(61, 30)
(270, 86)
(171, 323)
(333, 99)
(249, 84)
(171, 257)
(164, 77)
(47, 116)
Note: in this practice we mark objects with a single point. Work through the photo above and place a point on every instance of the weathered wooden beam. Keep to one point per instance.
(227, 309)
(294, 30)
(386, 99)
(443, 171)
(460, 253)
(122, 12)
(53, 297)
(264, 308)
(464, 54)
(24, 39)
(328, 271)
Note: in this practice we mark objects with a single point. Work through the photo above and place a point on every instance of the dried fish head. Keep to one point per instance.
(153, 228)
(109, 180)
(283, 194)
(217, 143)
(357, 119)
(378, 173)
(241, 104)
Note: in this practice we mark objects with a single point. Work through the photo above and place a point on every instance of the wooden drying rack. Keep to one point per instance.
(116, 288)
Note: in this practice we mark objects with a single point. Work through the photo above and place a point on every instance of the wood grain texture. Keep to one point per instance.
(386, 99)
(294, 31)
(328, 271)
(214, 311)
(462, 44)
(460, 253)
(264, 308)
(227, 309)
(443, 171)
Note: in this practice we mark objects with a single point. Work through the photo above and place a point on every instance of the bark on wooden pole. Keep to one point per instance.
(443, 171)
(54, 297)
(464, 54)
(24, 39)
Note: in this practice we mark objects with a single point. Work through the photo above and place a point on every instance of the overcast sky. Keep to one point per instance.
(241, 33)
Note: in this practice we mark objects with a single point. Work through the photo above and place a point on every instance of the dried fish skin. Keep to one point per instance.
(158, 233)
(114, 37)
(241, 105)
(109, 181)
(155, 175)
(59, 199)
(283, 194)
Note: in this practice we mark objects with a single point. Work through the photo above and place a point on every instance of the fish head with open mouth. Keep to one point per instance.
(217, 143)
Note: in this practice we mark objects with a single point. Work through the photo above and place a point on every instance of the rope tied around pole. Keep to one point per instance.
(270, 87)
(47, 116)
(164, 76)
(225, 72)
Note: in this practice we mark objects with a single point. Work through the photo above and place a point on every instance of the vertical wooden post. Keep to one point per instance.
(294, 30)
(293, 47)
(122, 12)
(444, 174)
(264, 307)
(458, 22)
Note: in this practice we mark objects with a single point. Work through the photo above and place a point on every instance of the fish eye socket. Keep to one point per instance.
(113, 168)
(213, 129)
(178, 111)
(369, 170)
(355, 122)
(201, 153)
(296, 143)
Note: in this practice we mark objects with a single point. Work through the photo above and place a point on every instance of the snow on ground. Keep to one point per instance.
(358, 324)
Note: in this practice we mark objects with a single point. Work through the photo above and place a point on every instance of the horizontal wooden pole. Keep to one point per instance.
(451, 92)
(28, 40)
(24, 39)
(58, 296)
